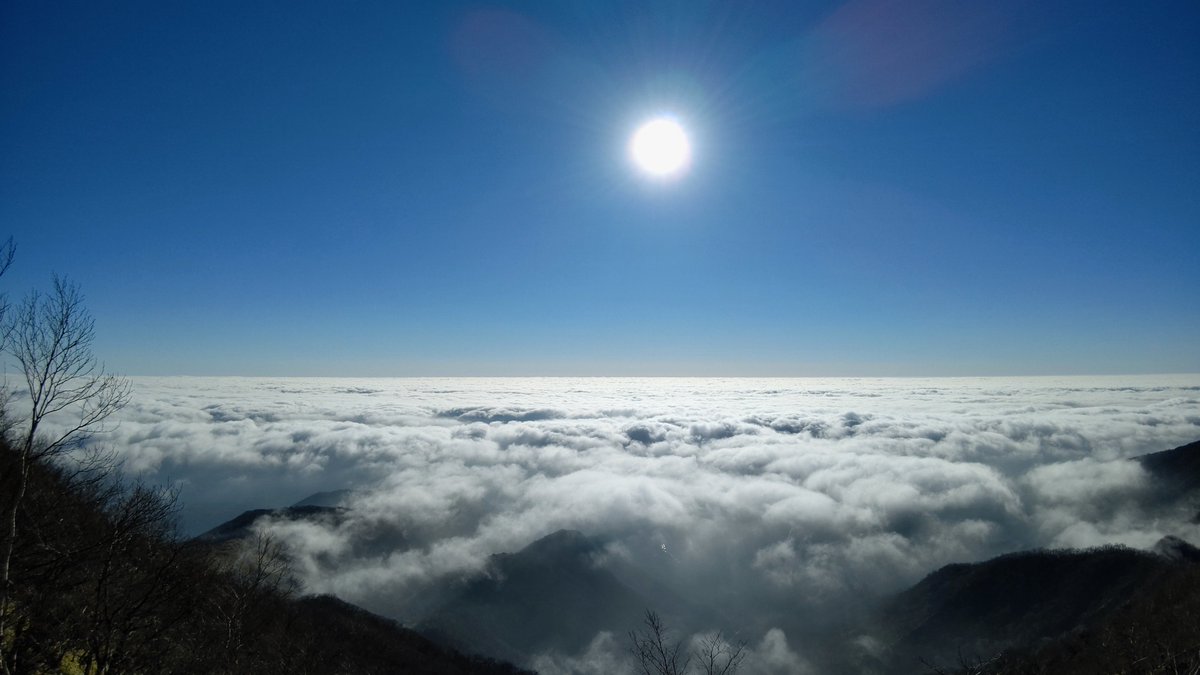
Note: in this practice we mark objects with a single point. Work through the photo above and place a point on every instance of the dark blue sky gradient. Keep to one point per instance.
(362, 188)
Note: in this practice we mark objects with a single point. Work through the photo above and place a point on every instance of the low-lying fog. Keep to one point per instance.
(782, 502)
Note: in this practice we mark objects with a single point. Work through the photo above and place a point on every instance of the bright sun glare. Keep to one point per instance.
(660, 148)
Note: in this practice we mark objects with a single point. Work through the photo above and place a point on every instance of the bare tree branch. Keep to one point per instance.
(654, 653)
(8, 251)
(50, 336)
(717, 656)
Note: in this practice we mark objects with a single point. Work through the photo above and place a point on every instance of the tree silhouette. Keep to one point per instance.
(50, 336)
(656, 654)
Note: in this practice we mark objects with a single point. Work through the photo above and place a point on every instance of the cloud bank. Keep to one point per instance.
(770, 505)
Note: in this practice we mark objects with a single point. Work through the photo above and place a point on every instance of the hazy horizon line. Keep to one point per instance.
(671, 376)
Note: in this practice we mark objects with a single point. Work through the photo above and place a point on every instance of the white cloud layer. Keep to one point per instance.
(795, 494)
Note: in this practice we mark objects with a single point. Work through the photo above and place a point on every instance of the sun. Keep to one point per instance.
(660, 147)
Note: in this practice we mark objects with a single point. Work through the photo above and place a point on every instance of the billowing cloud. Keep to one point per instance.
(770, 505)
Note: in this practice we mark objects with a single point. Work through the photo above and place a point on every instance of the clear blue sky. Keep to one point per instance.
(396, 188)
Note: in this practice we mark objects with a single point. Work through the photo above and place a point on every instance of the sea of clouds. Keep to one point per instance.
(772, 503)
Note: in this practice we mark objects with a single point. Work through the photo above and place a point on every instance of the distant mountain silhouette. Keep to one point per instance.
(242, 526)
(1174, 548)
(332, 498)
(1179, 467)
(1177, 475)
(1024, 609)
(551, 595)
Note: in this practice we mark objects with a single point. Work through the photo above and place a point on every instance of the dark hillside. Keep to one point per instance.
(1177, 476)
(1017, 599)
(102, 583)
(348, 639)
(1155, 632)
(1052, 612)
(1152, 627)
(550, 595)
(1030, 609)
(1177, 469)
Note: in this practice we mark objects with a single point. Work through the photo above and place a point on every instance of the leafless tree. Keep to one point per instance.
(655, 654)
(653, 650)
(248, 572)
(136, 578)
(7, 251)
(717, 656)
(50, 336)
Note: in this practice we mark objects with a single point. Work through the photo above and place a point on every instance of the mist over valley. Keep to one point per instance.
(775, 510)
